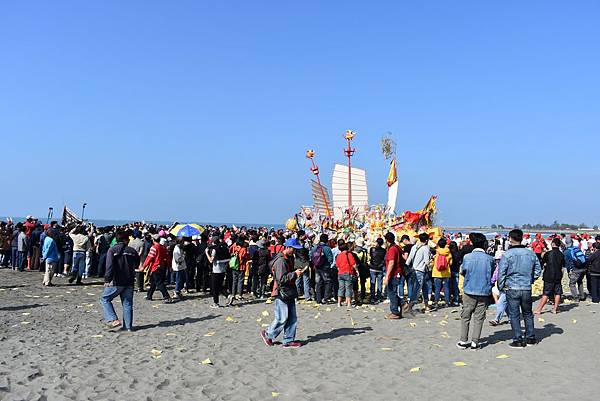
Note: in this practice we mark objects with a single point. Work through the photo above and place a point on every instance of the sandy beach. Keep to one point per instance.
(54, 347)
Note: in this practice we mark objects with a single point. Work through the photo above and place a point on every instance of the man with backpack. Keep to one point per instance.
(285, 293)
(121, 264)
(322, 258)
(575, 262)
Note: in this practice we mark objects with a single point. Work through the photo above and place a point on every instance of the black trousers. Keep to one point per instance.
(203, 281)
(217, 285)
(157, 282)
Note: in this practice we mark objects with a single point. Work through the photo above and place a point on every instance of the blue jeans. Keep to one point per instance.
(376, 284)
(14, 257)
(392, 290)
(520, 300)
(438, 286)
(303, 286)
(420, 282)
(78, 263)
(501, 306)
(180, 279)
(126, 294)
(454, 287)
(21, 260)
(101, 264)
(285, 320)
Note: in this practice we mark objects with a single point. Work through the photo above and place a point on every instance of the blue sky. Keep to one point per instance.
(203, 110)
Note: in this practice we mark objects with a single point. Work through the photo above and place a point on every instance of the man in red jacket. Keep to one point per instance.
(158, 261)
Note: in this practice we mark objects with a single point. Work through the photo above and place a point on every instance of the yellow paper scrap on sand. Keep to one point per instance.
(97, 336)
(318, 315)
(25, 313)
(437, 345)
(264, 325)
(443, 323)
(170, 334)
(210, 334)
(444, 334)
(541, 320)
(229, 319)
(415, 369)
(156, 353)
(352, 322)
(503, 356)
(459, 364)
(413, 324)
(265, 313)
(387, 349)
(574, 321)
(274, 394)
(259, 319)
(156, 306)
(207, 361)
(91, 294)
(269, 301)
(25, 322)
(327, 309)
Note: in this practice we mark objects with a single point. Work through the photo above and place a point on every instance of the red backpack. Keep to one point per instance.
(441, 263)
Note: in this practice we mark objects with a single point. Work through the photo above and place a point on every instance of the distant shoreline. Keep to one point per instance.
(467, 229)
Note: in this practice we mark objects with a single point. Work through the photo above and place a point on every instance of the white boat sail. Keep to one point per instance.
(339, 186)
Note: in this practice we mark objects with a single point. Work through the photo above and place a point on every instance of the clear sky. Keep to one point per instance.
(203, 110)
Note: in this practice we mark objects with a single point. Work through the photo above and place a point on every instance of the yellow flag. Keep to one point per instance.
(393, 175)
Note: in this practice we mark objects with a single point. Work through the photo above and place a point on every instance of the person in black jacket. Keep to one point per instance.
(376, 267)
(553, 263)
(121, 262)
(594, 271)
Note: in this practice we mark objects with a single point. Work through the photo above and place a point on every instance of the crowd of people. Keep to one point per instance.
(234, 264)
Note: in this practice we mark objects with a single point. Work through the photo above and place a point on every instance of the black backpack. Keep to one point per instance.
(222, 252)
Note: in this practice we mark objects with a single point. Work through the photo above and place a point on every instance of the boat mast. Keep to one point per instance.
(349, 153)
(310, 154)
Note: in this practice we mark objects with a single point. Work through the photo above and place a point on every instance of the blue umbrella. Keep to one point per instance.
(187, 230)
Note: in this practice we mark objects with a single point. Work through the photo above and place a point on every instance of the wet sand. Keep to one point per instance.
(54, 347)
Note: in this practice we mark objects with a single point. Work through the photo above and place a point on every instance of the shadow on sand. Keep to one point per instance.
(540, 334)
(21, 307)
(341, 332)
(180, 322)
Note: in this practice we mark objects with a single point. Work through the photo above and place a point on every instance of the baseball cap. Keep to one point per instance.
(292, 243)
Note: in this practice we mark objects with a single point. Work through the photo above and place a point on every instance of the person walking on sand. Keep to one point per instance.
(394, 264)
(121, 263)
(419, 258)
(285, 293)
(517, 271)
(575, 264)
(553, 263)
(50, 257)
(157, 262)
(477, 269)
(179, 266)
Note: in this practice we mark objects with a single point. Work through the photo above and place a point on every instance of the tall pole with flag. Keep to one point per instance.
(388, 148)
(349, 152)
